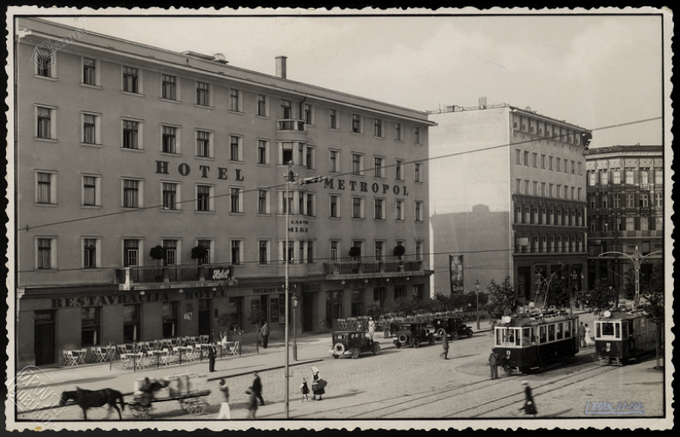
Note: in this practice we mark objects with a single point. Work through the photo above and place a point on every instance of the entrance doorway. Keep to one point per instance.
(204, 317)
(307, 312)
(44, 338)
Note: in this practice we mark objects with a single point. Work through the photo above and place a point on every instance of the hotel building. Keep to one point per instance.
(122, 147)
(514, 203)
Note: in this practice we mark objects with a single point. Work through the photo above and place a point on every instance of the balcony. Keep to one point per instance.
(162, 277)
(364, 270)
(291, 130)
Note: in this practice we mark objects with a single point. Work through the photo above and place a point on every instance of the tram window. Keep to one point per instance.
(541, 334)
(525, 336)
(511, 336)
(559, 331)
(617, 330)
(567, 329)
(607, 328)
(598, 333)
(625, 329)
(551, 332)
(498, 336)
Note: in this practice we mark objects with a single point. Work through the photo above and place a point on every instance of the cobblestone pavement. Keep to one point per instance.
(404, 383)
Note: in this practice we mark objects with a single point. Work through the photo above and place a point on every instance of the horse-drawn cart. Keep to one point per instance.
(188, 389)
(192, 403)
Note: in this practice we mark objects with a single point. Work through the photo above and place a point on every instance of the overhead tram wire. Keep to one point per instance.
(365, 169)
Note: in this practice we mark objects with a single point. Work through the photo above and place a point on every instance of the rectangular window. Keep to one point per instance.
(89, 71)
(168, 87)
(307, 114)
(263, 202)
(262, 152)
(335, 249)
(398, 132)
(286, 109)
(90, 253)
(630, 201)
(357, 164)
(286, 206)
(89, 129)
(170, 311)
(419, 212)
(518, 156)
(169, 139)
(333, 118)
(399, 210)
(130, 253)
(335, 161)
(234, 100)
(378, 166)
(534, 161)
(379, 245)
(90, 330)
(44, 253)
(357, 207)
(203, 144)
(357, 303)
(629, 173)
(543, 161)
(416, 134)
(550, 162)
(208, 245)
(169, 196)
(658, 176)
(44, 194)
(261, 105)
(335, 206)
(399, 170)
(202, 94)
(236, 200)
(616, 176)
(377, 128)
(90, 197)
(131, 331)
(418, 177)
(236, 252)
(419, 250)
(130, 193)
(379, 209)
(170, 247)
(644, 200)
(130, 134)
(658, 200)
(131, 80)
(203, 197)
(263, 252)
(356, 123)
(526, 158)
(234, 148)
(44, 123)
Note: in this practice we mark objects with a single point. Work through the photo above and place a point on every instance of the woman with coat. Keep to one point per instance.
(529, 406)
(318, 384)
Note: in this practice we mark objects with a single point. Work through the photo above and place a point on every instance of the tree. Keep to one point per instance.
(652, 303)
(256, 317)
(199, 253)
(601, 297)
(157, 253)
(501, 298)
(355, 252)
(399, 251)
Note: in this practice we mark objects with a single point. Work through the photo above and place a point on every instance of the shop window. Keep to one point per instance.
(90, 329)
(170, 319)
(131, 323)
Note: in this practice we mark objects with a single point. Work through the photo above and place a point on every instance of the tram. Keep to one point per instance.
(532, 341)
(621, 336)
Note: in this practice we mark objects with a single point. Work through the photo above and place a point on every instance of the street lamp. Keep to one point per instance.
(637, 260)
(295, 299)
(477, 293)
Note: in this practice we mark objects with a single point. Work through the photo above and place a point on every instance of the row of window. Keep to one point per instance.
(132, 251)
(170, 89)
(631, 176)
(642, 223)
(548, 216)
(531, 159)
(546, 129)
(204, 145)
(602, 200)
(336, 310)
(544, 244)
(523, 337)
(544, 189)
(298, 202)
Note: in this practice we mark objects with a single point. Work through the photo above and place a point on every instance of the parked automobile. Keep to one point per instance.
(453, 326)
(352, 343)
(412, 334)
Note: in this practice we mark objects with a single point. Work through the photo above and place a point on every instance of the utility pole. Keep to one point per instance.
(637, 260)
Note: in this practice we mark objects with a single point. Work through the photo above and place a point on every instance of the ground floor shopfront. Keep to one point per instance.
(50, 321)
(534, 273)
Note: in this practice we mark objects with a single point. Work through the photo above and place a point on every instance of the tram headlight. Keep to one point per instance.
(608, 347)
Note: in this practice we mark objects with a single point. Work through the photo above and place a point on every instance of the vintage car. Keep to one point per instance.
(352, 343)
(453, 326)
(412, 334)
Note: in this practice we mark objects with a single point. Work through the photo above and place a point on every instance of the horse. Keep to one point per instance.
(92, 399)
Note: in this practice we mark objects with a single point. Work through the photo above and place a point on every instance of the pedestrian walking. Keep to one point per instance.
(582, 335)
(257, 387)
(212, 353)
(225, 411)
(493, 364)
(264, 332)
(371, 327)
(529, 406)
(318, 385)
(445, 345)
(304, 389)
(252, 403)
(588, 337)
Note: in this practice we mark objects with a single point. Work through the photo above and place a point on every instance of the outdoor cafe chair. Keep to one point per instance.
(233, 347)
(69, 358)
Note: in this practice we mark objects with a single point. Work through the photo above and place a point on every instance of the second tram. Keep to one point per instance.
(621, 336)
(529, 342)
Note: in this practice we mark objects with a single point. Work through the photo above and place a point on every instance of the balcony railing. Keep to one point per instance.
(146, 275)
(371, 268)
(291, 125)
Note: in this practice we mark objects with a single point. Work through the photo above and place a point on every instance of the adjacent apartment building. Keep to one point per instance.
(509, 198)
(625, 209)
(121, 148)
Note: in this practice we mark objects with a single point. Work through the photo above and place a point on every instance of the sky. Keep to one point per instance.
(594, 71)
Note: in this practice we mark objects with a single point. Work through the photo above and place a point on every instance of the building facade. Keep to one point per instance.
(625, 209)
(514, 203)
(122, 148)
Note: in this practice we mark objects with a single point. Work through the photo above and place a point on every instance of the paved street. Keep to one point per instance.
(398, 384)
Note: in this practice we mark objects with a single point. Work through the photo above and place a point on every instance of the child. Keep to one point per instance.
(305, 390)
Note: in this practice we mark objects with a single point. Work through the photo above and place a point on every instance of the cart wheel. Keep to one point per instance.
(398, 345)
(469, 334)
(376, 349)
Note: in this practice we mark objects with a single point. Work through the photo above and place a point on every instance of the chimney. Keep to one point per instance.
(281, 66)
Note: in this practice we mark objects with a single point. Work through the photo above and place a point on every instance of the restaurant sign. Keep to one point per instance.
(133, 298)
